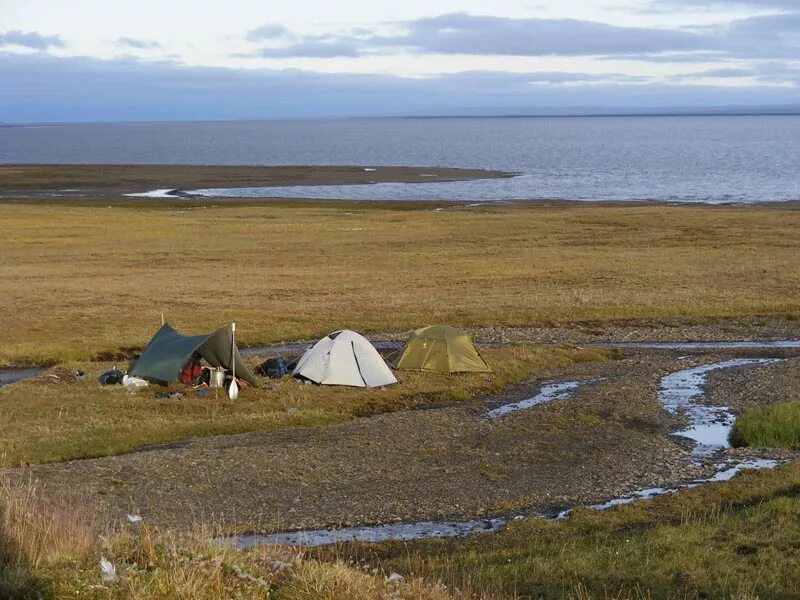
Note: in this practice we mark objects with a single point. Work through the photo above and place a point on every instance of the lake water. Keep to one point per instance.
(680, 159)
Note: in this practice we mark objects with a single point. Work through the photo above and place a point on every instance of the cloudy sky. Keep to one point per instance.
(95, 60)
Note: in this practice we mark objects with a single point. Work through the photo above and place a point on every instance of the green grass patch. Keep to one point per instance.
(774, 426)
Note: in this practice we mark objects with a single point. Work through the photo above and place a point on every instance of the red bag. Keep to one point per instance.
(191, 372)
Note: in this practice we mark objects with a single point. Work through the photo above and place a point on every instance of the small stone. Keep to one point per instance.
(395, 578)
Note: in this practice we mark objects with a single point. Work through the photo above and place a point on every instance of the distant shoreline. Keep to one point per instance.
(791, 111)
(177, 185)
(65, 182)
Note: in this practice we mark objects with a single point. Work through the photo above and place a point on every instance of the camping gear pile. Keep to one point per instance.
(62, 375)
(170, 356)
(166, 355)
(340, 358)
(274, 368)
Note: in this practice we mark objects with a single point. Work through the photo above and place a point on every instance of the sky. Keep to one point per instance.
(131, 60)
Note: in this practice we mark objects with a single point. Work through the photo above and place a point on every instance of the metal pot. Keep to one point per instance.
(217, 379)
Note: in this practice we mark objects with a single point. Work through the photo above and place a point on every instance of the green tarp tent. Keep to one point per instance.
(169, 351)
(440, 348)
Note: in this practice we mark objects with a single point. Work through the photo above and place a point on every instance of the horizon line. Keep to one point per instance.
(721, 111)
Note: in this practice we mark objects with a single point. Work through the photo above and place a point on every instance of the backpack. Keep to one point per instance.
(274, 368)
(191, 372)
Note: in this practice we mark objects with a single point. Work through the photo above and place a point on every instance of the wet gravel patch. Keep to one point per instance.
(768, 384)
(646, 330)
(591, 333)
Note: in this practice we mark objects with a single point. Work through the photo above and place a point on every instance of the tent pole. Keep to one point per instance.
(233, 346)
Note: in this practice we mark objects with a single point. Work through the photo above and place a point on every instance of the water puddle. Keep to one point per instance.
(678, 392)
(703, 345)
(10, 375)
(161, 193)
(377, 533)
(710, 425)
(548, 393)
(725, 472)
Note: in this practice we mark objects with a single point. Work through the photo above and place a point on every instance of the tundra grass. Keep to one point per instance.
(774, 426)
(730, 541)
(82, 281)
(50, 548)
(738, 540)
(45, 422)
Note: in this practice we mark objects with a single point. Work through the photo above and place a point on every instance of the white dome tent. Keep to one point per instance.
(344, 358)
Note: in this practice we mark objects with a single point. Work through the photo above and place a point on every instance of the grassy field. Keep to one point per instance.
(775, 426)
(81, 281)
(44, 422)
(737, 540)
(731, 541)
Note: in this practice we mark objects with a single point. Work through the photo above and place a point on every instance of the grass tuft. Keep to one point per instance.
(774, 426)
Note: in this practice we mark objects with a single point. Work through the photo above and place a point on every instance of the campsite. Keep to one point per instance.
(424, 300)
(446, 412)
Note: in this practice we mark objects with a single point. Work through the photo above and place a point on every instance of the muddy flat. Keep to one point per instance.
(52, 181)
(608, 438)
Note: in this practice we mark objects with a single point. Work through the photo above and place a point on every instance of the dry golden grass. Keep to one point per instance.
(36, 535)
(78, 280)
(40, 532)
(47, 422)
(51, 548)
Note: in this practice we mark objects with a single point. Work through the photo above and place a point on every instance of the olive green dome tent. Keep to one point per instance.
(169, 351)
(440, 348)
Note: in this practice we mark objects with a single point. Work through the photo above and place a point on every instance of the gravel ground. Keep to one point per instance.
(649, 330)
(776, 382)
(611, 437)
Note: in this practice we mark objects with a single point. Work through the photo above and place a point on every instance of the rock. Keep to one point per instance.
(395, 578)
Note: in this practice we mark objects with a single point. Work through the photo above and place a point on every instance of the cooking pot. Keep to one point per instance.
(217, 379)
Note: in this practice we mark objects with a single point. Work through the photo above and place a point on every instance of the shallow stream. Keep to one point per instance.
(13, 374)
(679, 392)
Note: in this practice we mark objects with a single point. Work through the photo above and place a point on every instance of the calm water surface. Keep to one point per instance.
(681, 159)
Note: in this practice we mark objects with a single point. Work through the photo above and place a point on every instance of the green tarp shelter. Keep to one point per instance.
(440, 348)
(169, 351)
